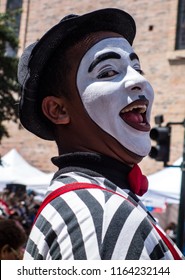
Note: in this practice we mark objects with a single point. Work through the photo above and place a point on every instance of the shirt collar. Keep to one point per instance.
(94, 164)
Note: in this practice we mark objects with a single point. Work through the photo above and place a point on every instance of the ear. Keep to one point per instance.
(5, 250)
(55, 110)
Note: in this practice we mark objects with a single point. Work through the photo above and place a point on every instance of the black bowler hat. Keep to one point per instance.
(36, 56)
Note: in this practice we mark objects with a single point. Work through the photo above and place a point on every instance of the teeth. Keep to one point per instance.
(141, 109)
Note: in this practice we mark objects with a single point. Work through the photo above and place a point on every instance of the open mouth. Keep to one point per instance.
(135, 115)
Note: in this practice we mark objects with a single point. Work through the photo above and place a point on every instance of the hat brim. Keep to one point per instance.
(114, 20)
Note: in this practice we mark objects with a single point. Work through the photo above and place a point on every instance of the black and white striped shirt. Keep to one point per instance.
(94, 224)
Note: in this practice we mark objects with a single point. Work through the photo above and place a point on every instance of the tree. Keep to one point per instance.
(8, 71)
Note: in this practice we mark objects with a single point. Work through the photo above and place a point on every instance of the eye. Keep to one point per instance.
(140, 72)
(107, 74)
(136, 66)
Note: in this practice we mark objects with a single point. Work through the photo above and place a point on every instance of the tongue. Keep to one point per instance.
(133, 117)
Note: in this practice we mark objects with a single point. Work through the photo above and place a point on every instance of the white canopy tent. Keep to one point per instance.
(15, 169)
(164, 186)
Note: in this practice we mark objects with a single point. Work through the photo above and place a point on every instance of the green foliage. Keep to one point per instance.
(8, 71)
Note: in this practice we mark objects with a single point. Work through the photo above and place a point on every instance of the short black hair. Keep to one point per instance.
(12, 234)
(53, 80)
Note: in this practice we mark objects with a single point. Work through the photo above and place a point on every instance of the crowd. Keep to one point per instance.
(18, 207)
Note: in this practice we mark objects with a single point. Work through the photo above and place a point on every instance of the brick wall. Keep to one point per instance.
(154, 43)
(3, 6)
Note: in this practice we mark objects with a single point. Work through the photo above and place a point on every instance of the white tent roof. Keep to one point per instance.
(15, 169)
(165, 185)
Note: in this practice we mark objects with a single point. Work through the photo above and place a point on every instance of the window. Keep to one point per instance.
(14, 6)
(180, 33)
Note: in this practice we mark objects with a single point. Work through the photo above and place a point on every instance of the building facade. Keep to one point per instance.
(160, 44)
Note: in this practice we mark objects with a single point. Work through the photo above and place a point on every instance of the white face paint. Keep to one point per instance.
(111, 83)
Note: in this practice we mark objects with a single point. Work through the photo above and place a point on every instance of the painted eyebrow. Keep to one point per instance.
(103, 57)
(133, 56)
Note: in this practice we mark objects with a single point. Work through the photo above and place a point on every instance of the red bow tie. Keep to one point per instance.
(138, 182)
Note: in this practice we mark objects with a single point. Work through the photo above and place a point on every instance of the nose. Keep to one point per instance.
(136, 88)
(134, 81)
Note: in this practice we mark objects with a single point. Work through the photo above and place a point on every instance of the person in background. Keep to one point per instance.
(82, 86)
(171, 230)
(20, 206)
(12, 240)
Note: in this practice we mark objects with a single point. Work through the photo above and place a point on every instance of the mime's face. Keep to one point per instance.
(109, 102)
(115, 94)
